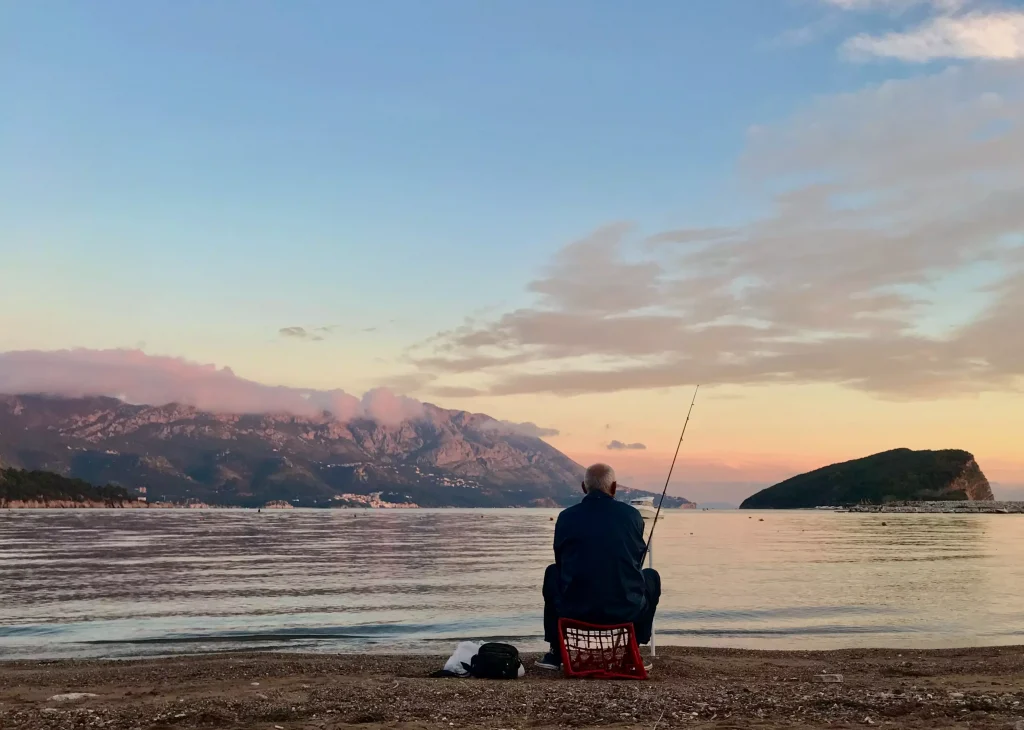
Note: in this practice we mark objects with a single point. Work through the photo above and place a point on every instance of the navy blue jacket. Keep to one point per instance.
(599, 546)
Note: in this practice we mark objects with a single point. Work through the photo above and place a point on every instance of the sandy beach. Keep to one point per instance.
(693, 688)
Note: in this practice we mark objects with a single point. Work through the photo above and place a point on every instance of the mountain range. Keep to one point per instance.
(442, 458)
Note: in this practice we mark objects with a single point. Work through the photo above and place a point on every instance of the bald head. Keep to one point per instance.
(599, 478)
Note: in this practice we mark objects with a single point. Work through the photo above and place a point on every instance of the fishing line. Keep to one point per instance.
(669, 478)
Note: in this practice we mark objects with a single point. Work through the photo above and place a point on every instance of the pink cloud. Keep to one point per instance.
(136, 377)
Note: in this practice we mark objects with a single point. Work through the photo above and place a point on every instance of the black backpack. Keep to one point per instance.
(495, 661)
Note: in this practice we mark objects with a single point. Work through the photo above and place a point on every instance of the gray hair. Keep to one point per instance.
(600, 477)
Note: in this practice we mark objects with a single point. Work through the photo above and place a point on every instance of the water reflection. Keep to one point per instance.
(344, 580)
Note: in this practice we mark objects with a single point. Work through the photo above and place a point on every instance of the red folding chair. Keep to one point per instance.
(600, 652)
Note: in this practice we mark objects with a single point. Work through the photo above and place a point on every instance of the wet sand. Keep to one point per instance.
(692, 688)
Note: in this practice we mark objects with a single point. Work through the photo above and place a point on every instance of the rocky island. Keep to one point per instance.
(900, 475)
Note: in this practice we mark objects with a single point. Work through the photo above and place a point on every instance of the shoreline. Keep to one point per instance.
(952, 507)
(964, 507)
(58, 504)
(689, 687)
(73, 504)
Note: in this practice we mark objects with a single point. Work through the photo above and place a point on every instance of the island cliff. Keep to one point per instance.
(891, 476)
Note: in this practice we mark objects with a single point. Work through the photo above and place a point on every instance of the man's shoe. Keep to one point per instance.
(648, 664)
(550, 661)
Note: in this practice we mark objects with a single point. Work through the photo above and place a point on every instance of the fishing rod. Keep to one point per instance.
(654, 524)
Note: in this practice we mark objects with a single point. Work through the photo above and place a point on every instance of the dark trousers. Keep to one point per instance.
(643, 625)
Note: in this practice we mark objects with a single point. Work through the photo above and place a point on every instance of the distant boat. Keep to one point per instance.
(645, 506)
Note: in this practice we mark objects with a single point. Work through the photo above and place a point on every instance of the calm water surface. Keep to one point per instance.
(118, 583)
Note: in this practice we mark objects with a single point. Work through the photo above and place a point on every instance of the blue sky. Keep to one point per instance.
(424, 180)
(227, 147)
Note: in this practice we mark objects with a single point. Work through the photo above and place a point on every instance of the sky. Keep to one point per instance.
(563, 214)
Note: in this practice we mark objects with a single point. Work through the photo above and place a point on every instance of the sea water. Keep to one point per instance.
(117, 583)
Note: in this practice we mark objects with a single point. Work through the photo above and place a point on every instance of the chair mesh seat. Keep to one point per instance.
(600, 652)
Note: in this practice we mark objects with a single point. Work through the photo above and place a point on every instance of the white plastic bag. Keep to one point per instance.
(464, 652)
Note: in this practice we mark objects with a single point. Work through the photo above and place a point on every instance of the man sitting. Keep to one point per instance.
(598, 575)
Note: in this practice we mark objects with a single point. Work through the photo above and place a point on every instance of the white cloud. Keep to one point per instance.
(529, 428)
(911, 207)
(898, 5)
(136, 377)
(617, 445)
(992, 36)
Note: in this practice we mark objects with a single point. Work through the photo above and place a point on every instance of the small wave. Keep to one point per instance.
(32, 630)
(780, 612)
(791, 631)
(226, 638)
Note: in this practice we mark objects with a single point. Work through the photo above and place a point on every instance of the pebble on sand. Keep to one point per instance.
(72, 696)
